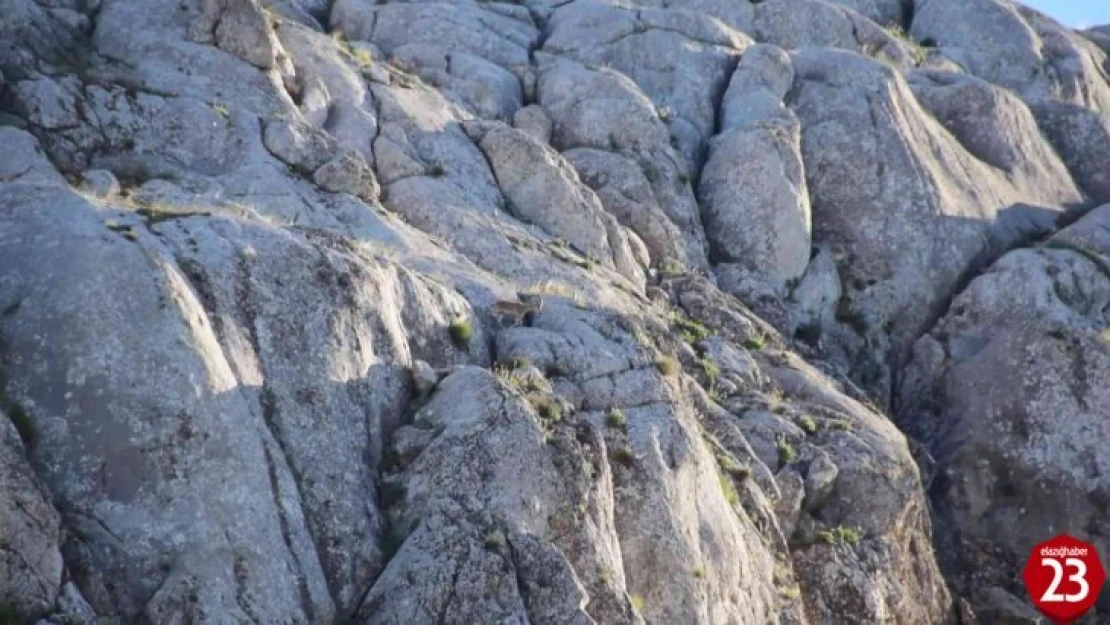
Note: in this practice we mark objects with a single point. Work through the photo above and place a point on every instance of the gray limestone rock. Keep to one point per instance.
(553, 312)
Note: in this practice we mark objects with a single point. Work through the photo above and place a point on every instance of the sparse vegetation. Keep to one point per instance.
(668, 366)
(841, 534)
(700, 572)
(714, 394)
(918, 52)
(362, 57)
(494, 540)
(623, 455)
(787, 454)
(842, 425)
(670, 268)
(712, 371)
(733, 468)
(221, 109)
(692, 331)
(664, 112)
(729, 490)
(791, 593)
(520, 363)
(638, 603)
(616, 419)
(605, 576)
(460, 332)
(547, 407)
(512, 379)
(755, 343)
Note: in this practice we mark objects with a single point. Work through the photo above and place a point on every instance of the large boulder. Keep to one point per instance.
(603, 110)
(1015, 47)
(753, 194)
(903, 205)
(1005, 392)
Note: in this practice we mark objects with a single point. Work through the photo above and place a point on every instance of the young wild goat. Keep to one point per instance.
(518, 313)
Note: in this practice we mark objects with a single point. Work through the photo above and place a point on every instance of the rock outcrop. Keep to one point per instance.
(712, 311)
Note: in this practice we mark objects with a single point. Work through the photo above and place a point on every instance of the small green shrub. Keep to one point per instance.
(786, 450)
(461, 332)
(221, 109)
(616, 419)
(638, 602)
(791, 593)
(668, 366)
(807, 423)
(700, 572)
(605, 576)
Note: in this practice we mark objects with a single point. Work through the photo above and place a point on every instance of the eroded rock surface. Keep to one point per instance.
(554, 312)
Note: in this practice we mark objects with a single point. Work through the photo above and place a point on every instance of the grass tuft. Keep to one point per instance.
(460, 332)
(755, 343)
(692, 331)
(841, 534)
(668, 366)
(624, 455)
(616, 419)
(494, 540)
(729, 489)
(670, 268)
(546, 407)
(807, 423)
(786, 450)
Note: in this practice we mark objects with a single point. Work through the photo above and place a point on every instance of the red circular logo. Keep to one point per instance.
(1064, 577)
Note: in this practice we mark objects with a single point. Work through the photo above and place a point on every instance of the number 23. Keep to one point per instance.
(1080, 577)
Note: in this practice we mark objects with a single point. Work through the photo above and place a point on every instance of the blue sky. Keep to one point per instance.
(1074, 12)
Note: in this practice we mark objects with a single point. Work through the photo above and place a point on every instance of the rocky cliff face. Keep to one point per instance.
(824, 334)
